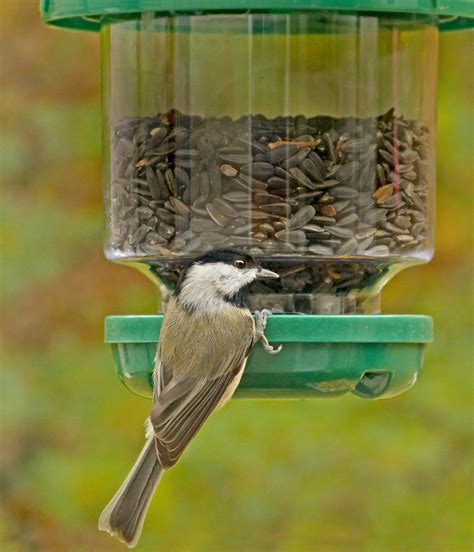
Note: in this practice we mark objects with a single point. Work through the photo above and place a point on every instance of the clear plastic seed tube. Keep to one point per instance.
(305, 139)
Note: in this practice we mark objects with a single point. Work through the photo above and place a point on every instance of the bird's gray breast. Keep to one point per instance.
(204, 345)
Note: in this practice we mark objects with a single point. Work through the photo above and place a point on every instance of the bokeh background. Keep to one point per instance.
(329, 475)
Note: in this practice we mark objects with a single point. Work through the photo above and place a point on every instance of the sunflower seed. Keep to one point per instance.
(330, 210)
(237, 196)
(300, 177)
(320, 250)
(346, 171)
(216, 216)
(312, 170)
(252, 183)
(253, 214)
(344, 192)
(377, 250)
(323, 220)
(225, 208)
(383, 193)
(278, 154)
(179, 207)
(348, 220)
(281, 209)
(339, 232)
(364, 244)
(313, 228)
(301, 217)
(228, 170)
(153, 238)
(292, 236)
(212, 238)
(204, 225)
(261, 198)
(143, 212)
(258, 171)
(347, 247)
(295, 159)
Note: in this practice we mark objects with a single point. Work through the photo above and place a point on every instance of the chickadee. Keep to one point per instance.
(205, 340)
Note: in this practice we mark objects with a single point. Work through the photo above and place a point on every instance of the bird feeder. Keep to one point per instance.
(300, 131)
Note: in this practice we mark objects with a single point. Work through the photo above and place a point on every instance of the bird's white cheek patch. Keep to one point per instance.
(253, 274)
(229, 284)
(206, 285)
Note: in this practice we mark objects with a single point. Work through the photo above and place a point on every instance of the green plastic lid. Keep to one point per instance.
(89, 14)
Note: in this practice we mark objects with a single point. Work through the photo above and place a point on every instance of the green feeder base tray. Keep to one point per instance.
(375, 356)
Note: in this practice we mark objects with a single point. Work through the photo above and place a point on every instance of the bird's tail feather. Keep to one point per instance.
(125, 513)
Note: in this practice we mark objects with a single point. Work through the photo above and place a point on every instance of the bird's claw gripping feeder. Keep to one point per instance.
(301, 131)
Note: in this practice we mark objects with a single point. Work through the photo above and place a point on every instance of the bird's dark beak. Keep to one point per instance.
(263, 273)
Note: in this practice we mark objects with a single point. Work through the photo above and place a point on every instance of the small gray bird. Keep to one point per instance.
(206, 337)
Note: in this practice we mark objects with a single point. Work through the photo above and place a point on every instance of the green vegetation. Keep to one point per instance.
(329, 475)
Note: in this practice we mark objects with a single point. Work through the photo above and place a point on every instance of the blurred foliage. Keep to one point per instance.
(330, 475)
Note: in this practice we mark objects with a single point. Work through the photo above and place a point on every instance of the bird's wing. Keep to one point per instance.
(185, 399)
(176, 423)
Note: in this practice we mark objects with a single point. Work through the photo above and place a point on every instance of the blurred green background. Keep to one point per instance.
(329, 475)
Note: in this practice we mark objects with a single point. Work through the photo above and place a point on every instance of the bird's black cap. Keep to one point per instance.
(224, 256)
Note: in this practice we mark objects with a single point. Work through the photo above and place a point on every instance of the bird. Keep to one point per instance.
(205, 340)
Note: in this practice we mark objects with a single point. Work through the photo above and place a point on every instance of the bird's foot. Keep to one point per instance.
(261, 320)
(260, 325)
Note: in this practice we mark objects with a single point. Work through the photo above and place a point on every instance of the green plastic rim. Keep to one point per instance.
(89, 15)
(371, 357)
(291, 328)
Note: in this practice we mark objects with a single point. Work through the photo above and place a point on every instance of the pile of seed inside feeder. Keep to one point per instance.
(304, 286)
(289, 186)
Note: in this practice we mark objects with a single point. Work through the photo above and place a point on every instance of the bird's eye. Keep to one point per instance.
(239, 263)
